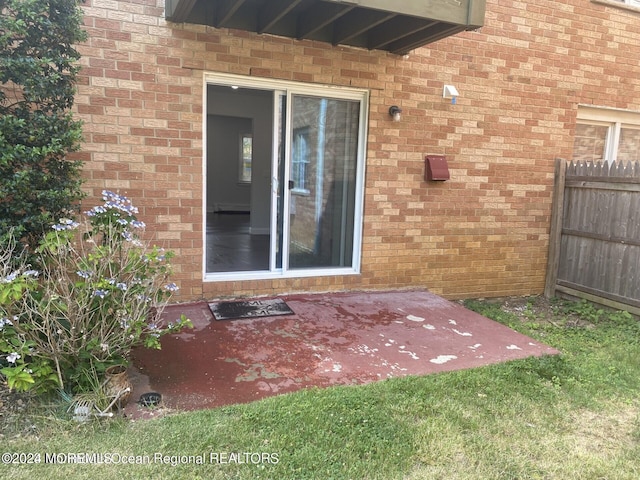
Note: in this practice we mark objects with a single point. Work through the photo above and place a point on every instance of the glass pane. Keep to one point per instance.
(629, 145)
(246, 156)
(324, 141)
(280, 129)
(589, 142)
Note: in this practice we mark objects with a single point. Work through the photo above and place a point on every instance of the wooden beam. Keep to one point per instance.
(272, 11)
(319, 16)
(605, 183)
(602, 237)
(602, 298)
(418, 39)
(225, 10)
(358, 22)
(555, 233)
(396, 29)
(178, 10)
(458, 12)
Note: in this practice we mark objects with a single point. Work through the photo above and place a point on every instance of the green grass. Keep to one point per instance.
(573, 416)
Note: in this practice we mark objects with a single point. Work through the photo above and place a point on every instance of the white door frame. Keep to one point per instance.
(288, 88)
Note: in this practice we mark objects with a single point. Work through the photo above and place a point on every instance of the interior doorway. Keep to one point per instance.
(284, 179)
(238, 195)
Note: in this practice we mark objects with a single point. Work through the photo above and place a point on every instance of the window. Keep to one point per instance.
(300, 160)
(632, 5)
(246, 157)
(607, 135)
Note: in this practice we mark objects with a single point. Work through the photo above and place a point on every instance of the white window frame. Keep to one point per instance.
(615, 119)
(242, 159)
(633, 5)
(299, 161)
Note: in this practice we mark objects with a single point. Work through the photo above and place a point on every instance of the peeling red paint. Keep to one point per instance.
(333, 339)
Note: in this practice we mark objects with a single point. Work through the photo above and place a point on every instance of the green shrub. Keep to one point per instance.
(38, 70)
(100, 292)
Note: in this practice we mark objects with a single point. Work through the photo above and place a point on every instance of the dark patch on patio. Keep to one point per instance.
(332, 339)
(249, 309)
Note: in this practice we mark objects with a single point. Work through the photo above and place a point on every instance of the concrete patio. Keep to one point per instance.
(331, 339)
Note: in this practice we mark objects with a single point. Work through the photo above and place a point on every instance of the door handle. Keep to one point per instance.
(291, 185)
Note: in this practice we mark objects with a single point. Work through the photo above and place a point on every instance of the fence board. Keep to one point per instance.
(594, 246)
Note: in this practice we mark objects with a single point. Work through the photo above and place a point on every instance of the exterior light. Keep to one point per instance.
(449, 91)
(395, 112)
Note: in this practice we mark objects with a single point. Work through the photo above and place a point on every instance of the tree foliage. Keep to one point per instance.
(38, 72)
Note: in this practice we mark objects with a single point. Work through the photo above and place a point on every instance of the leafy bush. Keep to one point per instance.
(38, 73)
(100, 293)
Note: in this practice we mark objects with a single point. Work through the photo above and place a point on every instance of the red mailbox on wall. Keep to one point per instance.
(436, 168)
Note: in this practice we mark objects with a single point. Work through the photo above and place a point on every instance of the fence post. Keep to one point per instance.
(555, 230)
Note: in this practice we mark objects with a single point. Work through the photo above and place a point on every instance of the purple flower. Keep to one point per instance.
(12, 357)
(96, 210)
(65, 224)
(5, 321)
(100, 293)
(84, 274)
(11, 277)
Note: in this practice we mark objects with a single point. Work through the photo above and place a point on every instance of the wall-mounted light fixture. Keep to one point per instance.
(449, 91)
(395, 112)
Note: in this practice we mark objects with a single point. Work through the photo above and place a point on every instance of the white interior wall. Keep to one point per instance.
(256, 107)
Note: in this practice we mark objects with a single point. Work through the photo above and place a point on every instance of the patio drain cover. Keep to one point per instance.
(249, 309)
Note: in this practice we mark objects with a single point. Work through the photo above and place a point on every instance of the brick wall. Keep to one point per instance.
(483, 233)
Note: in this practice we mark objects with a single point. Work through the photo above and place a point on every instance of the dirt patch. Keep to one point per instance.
(541, 309)
(17, 413)
(603, 433)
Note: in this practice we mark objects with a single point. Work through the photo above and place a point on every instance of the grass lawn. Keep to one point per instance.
(573, 416)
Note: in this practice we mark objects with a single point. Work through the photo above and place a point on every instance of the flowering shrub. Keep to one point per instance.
(100, 293)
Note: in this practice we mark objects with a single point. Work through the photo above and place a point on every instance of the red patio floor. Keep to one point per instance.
(332, 339)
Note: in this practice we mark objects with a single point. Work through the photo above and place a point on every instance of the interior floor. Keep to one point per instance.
(230, 245)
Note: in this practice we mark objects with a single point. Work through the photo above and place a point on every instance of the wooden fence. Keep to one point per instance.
(594, 244)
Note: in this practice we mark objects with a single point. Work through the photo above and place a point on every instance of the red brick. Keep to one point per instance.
(482, 233)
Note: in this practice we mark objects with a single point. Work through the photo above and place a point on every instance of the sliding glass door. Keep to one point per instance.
(322, 181)
(316, 184)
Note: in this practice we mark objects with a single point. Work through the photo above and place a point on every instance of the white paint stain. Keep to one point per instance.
(452, 322)
(513, 347)
(464, 334)
(363, 350)
(394, 367)
(411, 354)
(474, 347)
(429, 326)
(413, 318)
(440, 359)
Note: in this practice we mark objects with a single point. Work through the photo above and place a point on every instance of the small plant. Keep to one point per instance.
(585, 310)
(101, 292)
